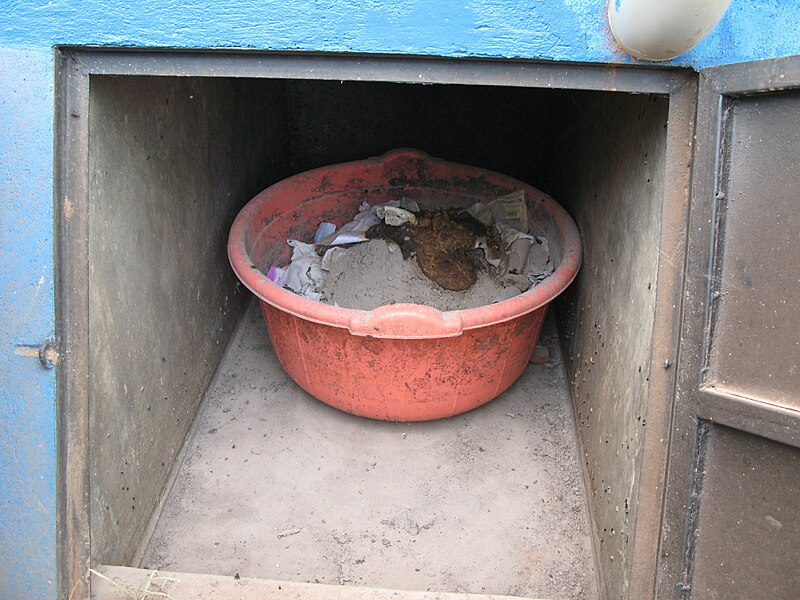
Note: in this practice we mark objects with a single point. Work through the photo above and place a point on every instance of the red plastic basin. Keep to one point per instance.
(401, 362)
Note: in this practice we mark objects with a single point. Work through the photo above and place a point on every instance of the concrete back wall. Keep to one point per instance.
(172, 160)
(610, 176)
(495, 128)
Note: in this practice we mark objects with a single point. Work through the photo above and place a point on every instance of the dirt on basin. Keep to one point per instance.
(396, 252)
(374, 274)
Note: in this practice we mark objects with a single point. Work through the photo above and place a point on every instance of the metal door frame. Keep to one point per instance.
(75, 67)
(698, 405)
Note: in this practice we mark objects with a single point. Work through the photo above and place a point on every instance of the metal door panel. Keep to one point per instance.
(755, 333)
(750, 503)
(736, 425)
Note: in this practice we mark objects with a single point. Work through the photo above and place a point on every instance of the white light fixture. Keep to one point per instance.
(663, 29)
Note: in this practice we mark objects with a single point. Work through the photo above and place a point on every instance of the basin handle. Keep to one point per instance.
(406, 321)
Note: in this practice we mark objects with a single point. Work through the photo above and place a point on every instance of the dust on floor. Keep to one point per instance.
(278, 485)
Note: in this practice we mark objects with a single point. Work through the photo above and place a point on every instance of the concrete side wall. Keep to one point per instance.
(171, 163)
(610, 177)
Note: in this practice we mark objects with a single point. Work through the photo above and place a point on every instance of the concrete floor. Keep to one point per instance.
(278, 485)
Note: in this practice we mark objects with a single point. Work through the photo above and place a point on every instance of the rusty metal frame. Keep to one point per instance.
(697, 404)
(76, 66)
(665, 341)
(72, 324)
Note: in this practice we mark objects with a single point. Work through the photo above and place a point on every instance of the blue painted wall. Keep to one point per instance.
(574, 30)
(569, 30)
(27, 390)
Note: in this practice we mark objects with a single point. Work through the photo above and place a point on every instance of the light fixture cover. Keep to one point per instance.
(663, 29)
